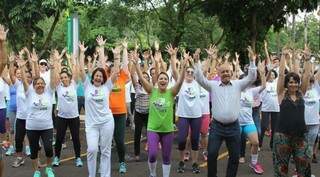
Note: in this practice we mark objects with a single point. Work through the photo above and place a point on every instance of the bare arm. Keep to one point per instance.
(82, 72)
(177, 86)
(280, 84)
(12, 74)
(145, 84)
(173, 60)
(3, 51)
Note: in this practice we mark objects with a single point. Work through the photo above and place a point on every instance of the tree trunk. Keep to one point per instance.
(53, 26)
(254, 30)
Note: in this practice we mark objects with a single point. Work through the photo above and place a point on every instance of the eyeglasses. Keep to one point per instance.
(190, 72)
(43, 64)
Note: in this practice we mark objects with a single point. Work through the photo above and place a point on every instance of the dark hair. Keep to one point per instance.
(65, 71)
(104, 75)
(164, 73)
(146, 74)
(292, 75)
(274, 72)
(35, 80)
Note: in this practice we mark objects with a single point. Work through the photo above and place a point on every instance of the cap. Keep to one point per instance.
(43, 61)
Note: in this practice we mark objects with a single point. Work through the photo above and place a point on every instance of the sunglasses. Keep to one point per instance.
(190, 72)
(43, 64)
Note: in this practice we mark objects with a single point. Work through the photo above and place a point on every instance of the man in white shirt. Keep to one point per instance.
(225, 97)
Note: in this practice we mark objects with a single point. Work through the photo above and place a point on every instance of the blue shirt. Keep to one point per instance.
(13, 99)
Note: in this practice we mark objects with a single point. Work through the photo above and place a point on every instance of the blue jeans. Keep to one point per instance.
(219, 133)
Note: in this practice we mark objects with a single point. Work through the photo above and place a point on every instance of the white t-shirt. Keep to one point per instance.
(67, 100)
(4, 93)
(311, 105)
(22, 112)
(189, 105)
(128, 92)
(269, 98)
(97, 103)
(39, 109)
(204, 101)
(47, 78)
(246, 104)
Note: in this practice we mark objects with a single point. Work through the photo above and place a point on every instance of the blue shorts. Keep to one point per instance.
(248, 129)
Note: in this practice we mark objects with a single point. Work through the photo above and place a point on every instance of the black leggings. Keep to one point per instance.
(46, 137)
(74, 126)
(119, 133)
(265, 125)
(140, 120)
(20, 134)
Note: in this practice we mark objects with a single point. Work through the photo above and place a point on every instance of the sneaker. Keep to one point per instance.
(122, 167)
(64, 146)
(28, 152)
(205, 155)
(79, 162)
(257, 168)
(56, 162)
(186, 156)
(195, 168)
(49, 172)
(181, 167)
(10, 151)
(37, 174)
(314, 159)
(18, 162)
(242, 160)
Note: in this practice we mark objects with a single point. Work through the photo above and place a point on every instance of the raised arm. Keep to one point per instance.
(82, 72)
(173, 60)
(261, 70)
(22, 66)
(145, 84)
(3, 51)
(125, 61)
(252, 71)
(12, 73)
(33, 60)
(307, 71)
(267, 61)
(200, 78)
(280, 84)
(178, 84)
(102, 58)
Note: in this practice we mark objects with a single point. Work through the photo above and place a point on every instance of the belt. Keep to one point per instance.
(224, 124)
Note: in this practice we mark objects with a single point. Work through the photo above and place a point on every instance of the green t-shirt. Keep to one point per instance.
(161, 111)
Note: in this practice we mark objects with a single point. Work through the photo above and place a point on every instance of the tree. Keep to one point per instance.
(22, 17)
(247, 22)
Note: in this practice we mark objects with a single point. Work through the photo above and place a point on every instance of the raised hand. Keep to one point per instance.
(3, 33)
(124, 43)
(34, 56)
(306, 52)
(261, 67)
(156, 45)
(100, 41)
(212, 50)
(171, 51)
(116, 50)
(82, 48)
(146, 55)
(252, 56)
(196, 55)
(12, 57)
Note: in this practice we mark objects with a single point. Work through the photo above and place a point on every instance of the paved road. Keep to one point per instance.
(140, 169)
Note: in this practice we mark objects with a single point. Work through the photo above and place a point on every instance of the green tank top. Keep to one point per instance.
(161, 111)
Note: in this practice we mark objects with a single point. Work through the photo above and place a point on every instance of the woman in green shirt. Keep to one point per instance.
(160, 125)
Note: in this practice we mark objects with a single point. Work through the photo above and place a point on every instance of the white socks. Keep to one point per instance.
(254, 159)
(152, 168)
(166, 170)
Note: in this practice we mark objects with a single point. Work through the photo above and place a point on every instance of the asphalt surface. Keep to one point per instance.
(140, 169)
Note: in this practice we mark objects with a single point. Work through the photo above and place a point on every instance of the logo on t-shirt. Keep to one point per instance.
(310, 98)
(116, 88)
(41, 105)
(69, 96)
(97, 96)
(246, 100)
(190, 92)
(160, 104)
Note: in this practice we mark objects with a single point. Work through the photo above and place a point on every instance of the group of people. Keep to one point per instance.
(213, 99)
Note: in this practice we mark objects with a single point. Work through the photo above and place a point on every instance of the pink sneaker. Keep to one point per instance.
(257, 168)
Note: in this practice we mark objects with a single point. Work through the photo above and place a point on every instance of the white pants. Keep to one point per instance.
(100, 135)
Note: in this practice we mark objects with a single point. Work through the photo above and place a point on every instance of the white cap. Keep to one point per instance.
(43, 61)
